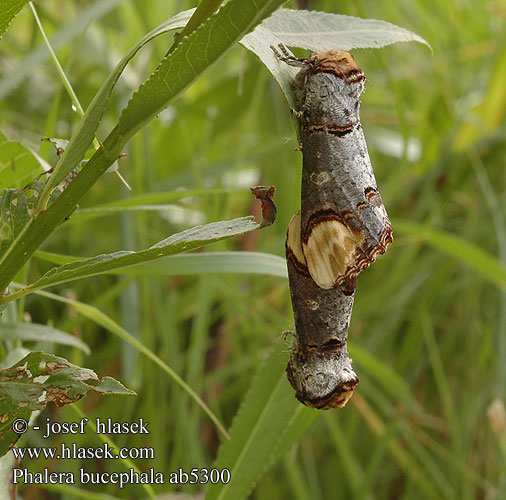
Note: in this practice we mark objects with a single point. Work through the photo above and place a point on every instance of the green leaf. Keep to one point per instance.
(204, 11)
(17, 208)
(8, 11)
(154, 198)
(40, 333)
(315, 30)
(85, 132)
(196, 263)
(300, 423)
(40, 378)
(191, 57)
(18, 165)
(473, 256)
(269, 421)
(177, 243)
(215, 262)
(108, 385)
(259, 42)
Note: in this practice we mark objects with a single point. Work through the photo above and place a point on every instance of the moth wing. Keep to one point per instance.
(330, 252)
(293, 239)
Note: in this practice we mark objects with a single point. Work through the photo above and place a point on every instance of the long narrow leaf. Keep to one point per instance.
(315, 30)
(196, 263)
(385, 376)
(142, 201)
(187, 62)
(33, 332)
(177, 243)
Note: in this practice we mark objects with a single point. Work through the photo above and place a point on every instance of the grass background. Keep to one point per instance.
(428, 328)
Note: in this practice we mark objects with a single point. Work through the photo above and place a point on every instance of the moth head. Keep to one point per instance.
(337, 62)
(322, 380)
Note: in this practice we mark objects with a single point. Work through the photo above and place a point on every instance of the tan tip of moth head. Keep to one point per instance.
(342, 395)
(320, 385)
(347, 381)
(329, 251)
(338, 62)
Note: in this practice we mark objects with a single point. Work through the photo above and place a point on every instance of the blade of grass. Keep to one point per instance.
(496, 213)
(33, 332)
(438, 369)
(63, 76)
(386, 377)
(143, 200)
(103, 437)
(351, 466)
(195, 264)
(477, 259)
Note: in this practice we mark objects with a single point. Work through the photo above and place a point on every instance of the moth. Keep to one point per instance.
(340, 230)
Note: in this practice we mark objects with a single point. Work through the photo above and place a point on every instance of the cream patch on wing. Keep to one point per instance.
(293, 238)
(329, 252)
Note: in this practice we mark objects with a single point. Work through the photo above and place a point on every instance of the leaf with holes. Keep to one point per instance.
(40, 378)
(17, 208)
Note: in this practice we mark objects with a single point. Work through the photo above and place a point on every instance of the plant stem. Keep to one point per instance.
(63, 76)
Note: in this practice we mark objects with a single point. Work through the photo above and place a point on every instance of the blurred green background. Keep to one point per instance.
(428, 332)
